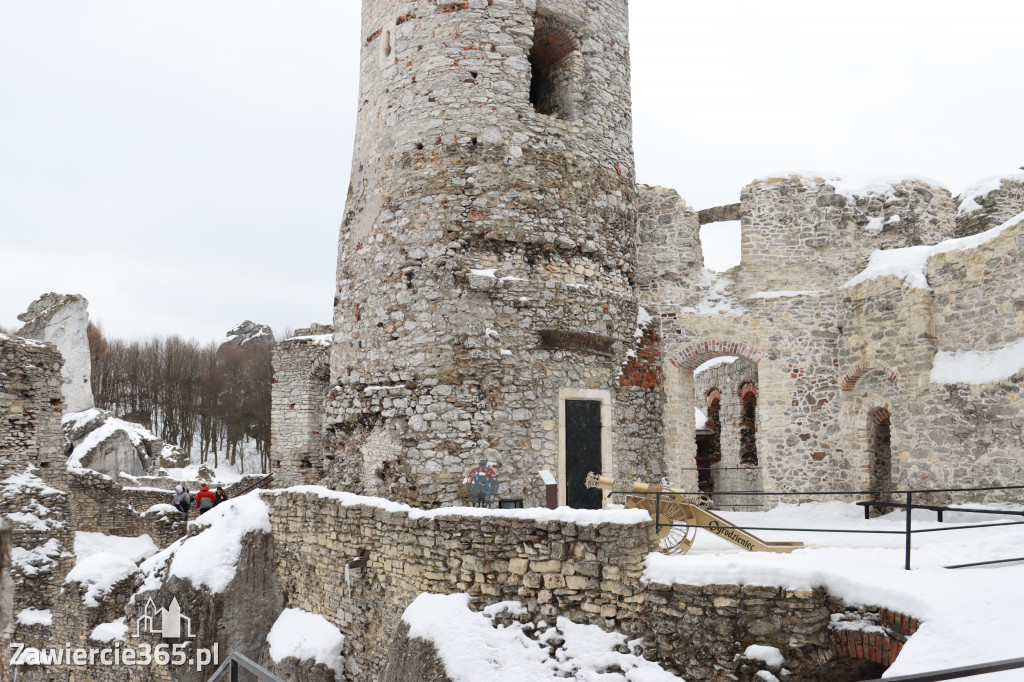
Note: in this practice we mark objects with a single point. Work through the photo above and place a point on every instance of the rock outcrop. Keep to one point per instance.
(249, 332)
(63, 320)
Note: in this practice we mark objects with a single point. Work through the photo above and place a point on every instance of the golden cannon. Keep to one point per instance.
(683, 514)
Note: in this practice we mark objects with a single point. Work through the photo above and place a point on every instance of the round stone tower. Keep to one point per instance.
(485, 304)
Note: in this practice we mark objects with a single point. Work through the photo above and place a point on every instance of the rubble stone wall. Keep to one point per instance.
(103, 506)
(30, 406)
(588, 572)
(298, 397)
(834, 362)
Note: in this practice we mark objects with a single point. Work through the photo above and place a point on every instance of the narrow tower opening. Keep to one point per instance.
(554, 69)
(748, 423)
(881, 451)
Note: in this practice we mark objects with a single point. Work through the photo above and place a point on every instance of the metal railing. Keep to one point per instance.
(907, 506)
(958, 673)
(261, 483)
(237, 662)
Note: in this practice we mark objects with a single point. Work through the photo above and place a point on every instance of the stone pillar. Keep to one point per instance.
(63, 320)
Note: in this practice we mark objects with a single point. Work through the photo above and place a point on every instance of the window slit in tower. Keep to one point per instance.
(553, 61)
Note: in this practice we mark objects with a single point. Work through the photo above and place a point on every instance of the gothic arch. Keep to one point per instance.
(849, 381)
(693, 356)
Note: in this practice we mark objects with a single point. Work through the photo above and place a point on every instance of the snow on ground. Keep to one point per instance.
(583, 517)
(99, 573)
(910, 262)
(222, 474)
(305, 635)
(978, 366)
(968, 615)
(210, 558)
(133, 549)
(473, 649)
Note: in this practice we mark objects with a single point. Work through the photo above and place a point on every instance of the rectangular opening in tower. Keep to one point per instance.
(582, 452)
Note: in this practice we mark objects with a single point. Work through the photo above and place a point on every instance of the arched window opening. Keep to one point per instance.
(881, 451)
(709, 443)
(554, 61)
(748, 428)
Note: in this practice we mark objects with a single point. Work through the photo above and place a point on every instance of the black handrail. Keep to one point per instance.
(958, 673)
(252, 486)
(234, 662)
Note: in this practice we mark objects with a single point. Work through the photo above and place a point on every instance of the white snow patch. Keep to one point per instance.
(969, 197)
(769, 654)
(32, 616)
(37, 559)
(718, 298)
(700, 419)
(26, 483)
(978, 366)
(98, 573)
(314, 339)
(110, 632)
(715, 362)
(874, 225)
(134, 549)
(582, 517)
(765, 676)
(490, 333)
(910, 262)
(782, 294)
(210, 558)
(472, 649)
(853, 186)
(488, 272)
(305, 635)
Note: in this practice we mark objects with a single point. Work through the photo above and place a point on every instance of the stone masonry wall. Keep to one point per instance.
(474, 223)
(589, 573)
(833, 362)
(999, 200)
(298, 397)
(810, 234)
(30, 406)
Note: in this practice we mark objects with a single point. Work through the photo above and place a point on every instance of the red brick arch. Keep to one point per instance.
(871, 644)
(862, 368)
(693, 356)
(747, 390)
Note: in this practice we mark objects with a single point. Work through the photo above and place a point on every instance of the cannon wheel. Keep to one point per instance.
(674, 539)
(677, 538)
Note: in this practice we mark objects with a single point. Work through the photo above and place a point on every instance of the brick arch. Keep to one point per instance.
(861, 368)
(551, 42)
(746, 390)
(713, 394)
(693, 356)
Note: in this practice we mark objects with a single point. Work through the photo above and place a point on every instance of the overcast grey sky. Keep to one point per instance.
(183, 164)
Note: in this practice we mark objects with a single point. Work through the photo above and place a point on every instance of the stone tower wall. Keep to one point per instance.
(474, 222)
(812, 234)
(298, 395)
(30, 407)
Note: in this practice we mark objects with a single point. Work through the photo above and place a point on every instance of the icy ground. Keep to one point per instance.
(968, 615)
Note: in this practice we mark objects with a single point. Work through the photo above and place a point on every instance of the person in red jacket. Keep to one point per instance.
(205, 499)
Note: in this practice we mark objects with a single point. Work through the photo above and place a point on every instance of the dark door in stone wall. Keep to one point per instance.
(582, 452)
